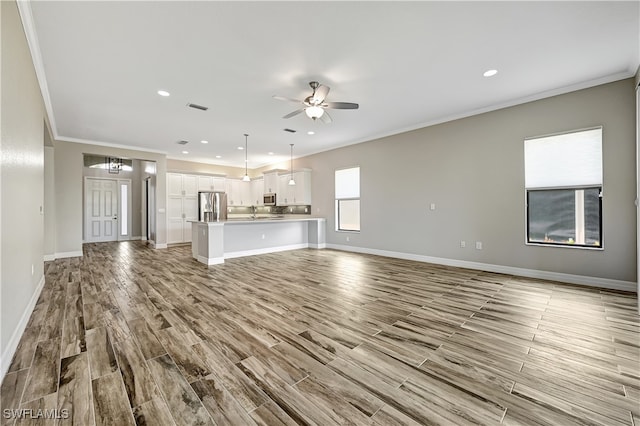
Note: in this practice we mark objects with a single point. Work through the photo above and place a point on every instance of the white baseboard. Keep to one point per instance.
(138, 238)
(7, 355)
(68, 254)
(159, 245)
(210, 261)
(608, 283)
(243, 253)
(318, 246)
(49, 257)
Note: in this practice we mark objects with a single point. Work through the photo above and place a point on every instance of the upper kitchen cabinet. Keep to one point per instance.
(239, 193)
(179, 184)
(257, 192)
(212, 183)
(298, 194)
(270, 182)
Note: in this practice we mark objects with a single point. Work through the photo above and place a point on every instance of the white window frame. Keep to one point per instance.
(579, 194)
(349, 196)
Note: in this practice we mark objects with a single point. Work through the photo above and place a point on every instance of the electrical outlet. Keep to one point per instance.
(33, 270)
(264, 236)
(463, 244)
(348, 239)
(478, 245)
(432, 206)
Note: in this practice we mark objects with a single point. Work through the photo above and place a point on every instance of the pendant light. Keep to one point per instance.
(246, 176)
(291, 181)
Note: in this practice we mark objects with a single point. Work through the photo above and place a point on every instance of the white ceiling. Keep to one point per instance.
(408, 64)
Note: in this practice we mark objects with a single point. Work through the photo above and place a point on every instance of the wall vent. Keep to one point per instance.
(290, 130)
(182, 142)
(196, 106)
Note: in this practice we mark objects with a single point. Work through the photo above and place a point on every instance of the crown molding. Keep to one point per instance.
(26, 16)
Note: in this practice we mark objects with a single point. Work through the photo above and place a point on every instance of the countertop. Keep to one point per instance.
(247, 220)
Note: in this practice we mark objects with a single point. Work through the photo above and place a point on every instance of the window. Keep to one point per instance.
(347, 183)
(563, 181)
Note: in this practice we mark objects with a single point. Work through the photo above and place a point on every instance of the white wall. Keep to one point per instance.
(22, 194)
(473, 170)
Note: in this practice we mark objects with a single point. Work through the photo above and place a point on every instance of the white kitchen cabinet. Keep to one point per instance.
(212, 183)
(298, 194)
(204, 183)
(257, 192)
(270, 182)
(182, 206)
(239, 193)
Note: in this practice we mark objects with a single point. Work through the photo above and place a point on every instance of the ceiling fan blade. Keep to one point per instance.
(341, 105)
(320, 93)
(285, 98)
(326, 118)
(294, 113)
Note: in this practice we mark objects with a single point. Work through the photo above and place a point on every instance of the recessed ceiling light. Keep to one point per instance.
(185, 152)
(218, 156)
(241, 147)
(270, 153)
(204, 141)
(163, 93)
(490, 73)
(311, 132)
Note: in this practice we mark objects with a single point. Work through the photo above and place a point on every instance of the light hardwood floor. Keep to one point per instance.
(129, 335)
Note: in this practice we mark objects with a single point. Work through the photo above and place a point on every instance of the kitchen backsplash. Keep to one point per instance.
(276, 210)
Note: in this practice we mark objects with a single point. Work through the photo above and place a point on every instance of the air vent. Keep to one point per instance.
(290, 130)
(182, 142)
(196, 106)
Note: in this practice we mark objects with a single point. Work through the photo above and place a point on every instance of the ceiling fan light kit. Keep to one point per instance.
(314, 105)
(314, 112)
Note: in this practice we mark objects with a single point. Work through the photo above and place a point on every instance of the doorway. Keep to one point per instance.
(107, 209)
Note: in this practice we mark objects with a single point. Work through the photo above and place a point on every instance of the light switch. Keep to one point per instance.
(432, 206)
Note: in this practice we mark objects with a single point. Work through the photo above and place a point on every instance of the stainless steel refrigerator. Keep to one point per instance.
(212, 206)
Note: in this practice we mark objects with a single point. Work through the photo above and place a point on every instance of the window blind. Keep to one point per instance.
(348, 183)
(565, 160)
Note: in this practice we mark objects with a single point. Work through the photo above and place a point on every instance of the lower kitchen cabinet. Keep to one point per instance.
(180, 211)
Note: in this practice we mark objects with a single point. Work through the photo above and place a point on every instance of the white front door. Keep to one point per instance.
(101, 210)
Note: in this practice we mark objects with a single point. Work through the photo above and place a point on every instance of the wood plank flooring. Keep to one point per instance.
(130, 335)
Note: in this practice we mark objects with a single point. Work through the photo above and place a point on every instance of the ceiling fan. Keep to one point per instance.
(315, 105)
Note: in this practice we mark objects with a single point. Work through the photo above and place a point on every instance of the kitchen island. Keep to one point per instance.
(213, 242)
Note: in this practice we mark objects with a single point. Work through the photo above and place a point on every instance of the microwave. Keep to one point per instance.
(269, 199)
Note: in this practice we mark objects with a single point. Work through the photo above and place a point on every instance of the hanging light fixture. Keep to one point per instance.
(291, 181)
(246, 176)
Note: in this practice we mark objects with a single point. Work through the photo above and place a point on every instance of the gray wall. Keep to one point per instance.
(69, 168)
(21, 181)
(473, 170)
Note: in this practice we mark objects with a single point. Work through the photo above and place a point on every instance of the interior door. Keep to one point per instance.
(101, 210)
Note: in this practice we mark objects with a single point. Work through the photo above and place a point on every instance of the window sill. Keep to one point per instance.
(566, 246)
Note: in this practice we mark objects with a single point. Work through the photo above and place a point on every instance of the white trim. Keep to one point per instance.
(109, 144)
(210, 261)
(138, 238)
(26, 15)
(159, 245)
(49, 257)
(244, 253)
(501, 269)
(12, 345)
(318, 246)
(65, 254)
